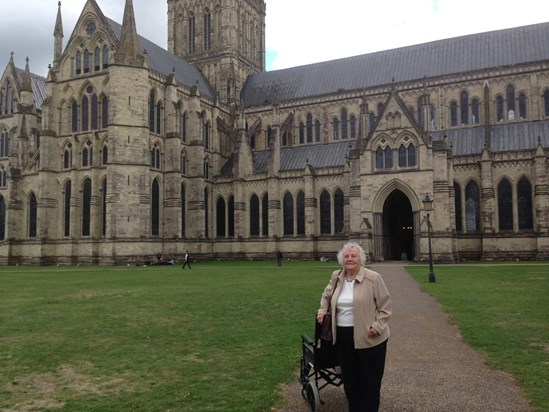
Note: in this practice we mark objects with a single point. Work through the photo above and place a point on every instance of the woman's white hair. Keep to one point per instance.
(351, 245)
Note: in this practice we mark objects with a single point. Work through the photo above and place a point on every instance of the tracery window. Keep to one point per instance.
(86, 207)
(254, 215)
(384, 158)
(33, 213)
(505, 205)
(325, 213)
(458, 211)
(472, 206)
(4, 144)
(220, 217)
(406, 156)
(524, 197)
(155, 208)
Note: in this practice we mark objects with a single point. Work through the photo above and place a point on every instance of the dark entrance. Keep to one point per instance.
(398, 227)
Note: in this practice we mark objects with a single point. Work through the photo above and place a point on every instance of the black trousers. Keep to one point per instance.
(362, 371)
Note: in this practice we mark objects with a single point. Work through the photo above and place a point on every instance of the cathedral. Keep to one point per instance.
(127, 149)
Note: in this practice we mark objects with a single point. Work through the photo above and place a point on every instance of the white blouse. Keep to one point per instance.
(345, 304)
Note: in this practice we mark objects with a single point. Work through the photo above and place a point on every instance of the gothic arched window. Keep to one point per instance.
(183, 165)
(67, 209)
(472, 206)
(206, 213)
(344, 124)
(505, 205)
(309, 128)
(74, 117)
(86, 207)
(499, 109)
(86, 61)
(220, 217)
(155, 157)
(524, 197)
(155, 208)
(464, 107)
(336, 128)
(339, 211)
(254, 215)
(67, 157)
(453, 114)
(152, 104)
(87, 154)
(317, 130)
(104, 112)
(300, 206)
(231, 216)
(192, 34)
(4, 144)
(301, 133)
(96, 60)
(510, 95)
(523, 113)
(105, 57)
(352, 126)
(207, 31)
(33, 213)
(458, 211)
(104, 155)
(325, 213)
(288, 213)
(85, 114)
(104, 208)
(183, 210)
(2, 218)
(546, 103)
(265, 215)
(475, 112)
(78, 62)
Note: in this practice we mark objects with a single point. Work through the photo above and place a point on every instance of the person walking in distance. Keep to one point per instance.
(187, 260)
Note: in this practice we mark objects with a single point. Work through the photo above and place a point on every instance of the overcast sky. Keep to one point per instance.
(298, 31)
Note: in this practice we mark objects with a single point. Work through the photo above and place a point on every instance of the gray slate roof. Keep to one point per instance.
(504, 138)
(470, 53)
(164, 62)
(38, 84)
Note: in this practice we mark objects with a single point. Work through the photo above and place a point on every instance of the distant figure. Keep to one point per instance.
(324, 259)
(158, 256)
(279, 258)
(187, 260)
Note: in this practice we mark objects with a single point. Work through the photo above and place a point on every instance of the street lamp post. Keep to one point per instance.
(428, 205)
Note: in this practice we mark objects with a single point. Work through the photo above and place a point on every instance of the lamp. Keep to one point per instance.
(428, 205)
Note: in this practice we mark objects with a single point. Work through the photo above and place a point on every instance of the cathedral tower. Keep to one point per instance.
(225, 40)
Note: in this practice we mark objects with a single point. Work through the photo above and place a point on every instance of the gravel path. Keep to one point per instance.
(429, 367)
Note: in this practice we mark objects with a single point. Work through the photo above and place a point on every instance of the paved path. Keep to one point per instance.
(429, 367)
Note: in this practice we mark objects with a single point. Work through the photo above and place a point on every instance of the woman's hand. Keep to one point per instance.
(320, 319)
(372, 332)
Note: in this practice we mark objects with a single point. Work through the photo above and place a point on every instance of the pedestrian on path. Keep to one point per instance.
(361, 308)
(187, 260)
(279, 258)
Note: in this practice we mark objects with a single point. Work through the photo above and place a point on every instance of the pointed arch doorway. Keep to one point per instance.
(398, 227)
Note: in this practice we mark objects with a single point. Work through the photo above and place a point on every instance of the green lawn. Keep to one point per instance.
(502, 311)
(222, 336)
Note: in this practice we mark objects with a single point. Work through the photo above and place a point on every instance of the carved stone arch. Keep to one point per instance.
(402, 139)
(388, 188)
(379, 141)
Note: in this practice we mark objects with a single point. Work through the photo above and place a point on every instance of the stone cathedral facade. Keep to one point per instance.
(127, 149)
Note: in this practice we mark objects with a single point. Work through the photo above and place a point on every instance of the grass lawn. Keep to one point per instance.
(502, 311)
(222, 336)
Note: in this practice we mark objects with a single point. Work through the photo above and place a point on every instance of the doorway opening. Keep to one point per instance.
(398, 227)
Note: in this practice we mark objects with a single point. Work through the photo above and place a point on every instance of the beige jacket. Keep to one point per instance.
(371, 306)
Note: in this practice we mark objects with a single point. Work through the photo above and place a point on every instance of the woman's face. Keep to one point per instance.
(351, 260)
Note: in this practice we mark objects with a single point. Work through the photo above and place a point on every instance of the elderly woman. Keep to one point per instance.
(361, 307)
